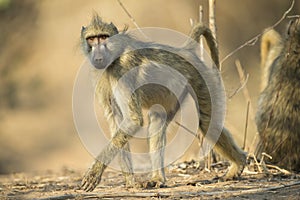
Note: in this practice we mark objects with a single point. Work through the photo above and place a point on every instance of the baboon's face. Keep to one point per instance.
(95, 42)
(99, 54)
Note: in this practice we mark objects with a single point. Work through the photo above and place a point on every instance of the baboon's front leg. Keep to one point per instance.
(157, 142)
(93, 176)
(127, 129)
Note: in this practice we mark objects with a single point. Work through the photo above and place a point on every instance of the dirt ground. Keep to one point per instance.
(38, 132)
(185, 181)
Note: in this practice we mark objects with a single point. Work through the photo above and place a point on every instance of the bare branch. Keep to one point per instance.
(212, 17)
(283, 171)
(263, 154)
(201, 38)
(246, 125)
(188, 130)
(240, 88)
(192, 22)
(201, 14)
(245, 89)
(248, 99)
(212, 22)
(258, 165)
(131, 18)
(253, 40)
(293, 16)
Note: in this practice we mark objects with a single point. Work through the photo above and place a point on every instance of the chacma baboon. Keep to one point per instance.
(278, 114)
(121, 55)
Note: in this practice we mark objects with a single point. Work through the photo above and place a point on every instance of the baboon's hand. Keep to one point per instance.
(92, 177)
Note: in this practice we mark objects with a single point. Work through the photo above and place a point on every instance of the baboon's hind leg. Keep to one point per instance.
(227, 147)
(157, 142)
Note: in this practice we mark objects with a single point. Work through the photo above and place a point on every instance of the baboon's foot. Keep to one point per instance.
(234, 171)
(130, 181)
(92, 177)
(237, 166)
(155, 182)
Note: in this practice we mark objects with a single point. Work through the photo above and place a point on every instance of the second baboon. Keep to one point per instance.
(121, 55)
(278, 115)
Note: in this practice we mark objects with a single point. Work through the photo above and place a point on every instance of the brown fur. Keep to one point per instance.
(117, 109)
(278, 115)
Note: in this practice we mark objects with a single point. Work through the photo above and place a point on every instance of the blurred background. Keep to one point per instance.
(40, 56)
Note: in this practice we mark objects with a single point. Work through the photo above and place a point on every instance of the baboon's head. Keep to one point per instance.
(94, 39)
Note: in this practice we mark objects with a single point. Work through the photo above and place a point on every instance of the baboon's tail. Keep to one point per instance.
(270, 49)
(200, 29)
(269, 40)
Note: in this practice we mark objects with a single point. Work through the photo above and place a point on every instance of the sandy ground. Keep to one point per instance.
(45, 138)
(185, 181)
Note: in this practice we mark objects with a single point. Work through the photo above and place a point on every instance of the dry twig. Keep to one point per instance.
(188, 130)
(201, 39)
(245, 81)
(256, 163)
(264, 168)
(246, 125)
(247, 97)
(293, 16)
(131, 18)
(212, 18)
(282, 171)
(253, 40)
(212, 23)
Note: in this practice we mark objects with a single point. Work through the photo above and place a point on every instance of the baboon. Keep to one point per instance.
(278, 114)
(123, 109)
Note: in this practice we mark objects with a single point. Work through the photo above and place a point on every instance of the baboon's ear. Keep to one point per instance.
(114, 28)
(82, 30)
(125, 28)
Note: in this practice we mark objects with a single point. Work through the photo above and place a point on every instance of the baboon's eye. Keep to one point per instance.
(103, 37)
(91, 38)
